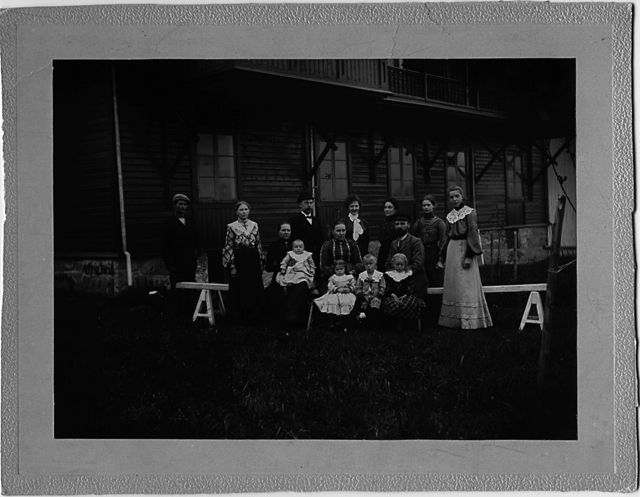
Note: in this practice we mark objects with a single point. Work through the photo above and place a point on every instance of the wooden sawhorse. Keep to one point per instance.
(205, 298)
(534, 290)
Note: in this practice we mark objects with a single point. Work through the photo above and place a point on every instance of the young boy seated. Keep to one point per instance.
(370, 288)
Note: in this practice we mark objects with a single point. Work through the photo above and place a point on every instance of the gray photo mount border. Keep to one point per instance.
(432, 17)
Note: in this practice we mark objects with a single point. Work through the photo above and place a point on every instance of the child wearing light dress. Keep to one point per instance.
(297, 270)
(370, 288)
(340, 298)
(297, 267)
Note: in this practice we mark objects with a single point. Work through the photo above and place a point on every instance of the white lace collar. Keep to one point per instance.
(241, 228)
(456, 215)
(396, 276)
(376, 276)
(299, 257)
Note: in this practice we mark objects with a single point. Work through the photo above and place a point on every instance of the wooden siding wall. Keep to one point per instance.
(271, 168)
(86, 215)
(152, 141)
(490, 190)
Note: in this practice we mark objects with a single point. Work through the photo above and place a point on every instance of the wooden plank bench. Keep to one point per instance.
(534, 299)
(205, 298)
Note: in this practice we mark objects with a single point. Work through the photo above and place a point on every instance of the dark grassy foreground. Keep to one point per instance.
(123, 369)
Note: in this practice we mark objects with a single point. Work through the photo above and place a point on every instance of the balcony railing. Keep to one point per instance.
(363, 72)
(429, 87)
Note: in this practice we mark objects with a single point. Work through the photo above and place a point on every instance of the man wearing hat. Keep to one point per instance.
(180, 247)
(411, 246)
(307, 227)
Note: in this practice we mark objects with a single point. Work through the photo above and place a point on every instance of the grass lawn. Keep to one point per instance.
(125, 369)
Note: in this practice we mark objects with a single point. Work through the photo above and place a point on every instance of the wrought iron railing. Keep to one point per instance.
(429, 87)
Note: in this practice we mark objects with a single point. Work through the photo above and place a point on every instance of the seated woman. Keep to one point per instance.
(370, 288)
(339, 248)
(400, 301)
(297, 270)
(277, 251)
(339, 299)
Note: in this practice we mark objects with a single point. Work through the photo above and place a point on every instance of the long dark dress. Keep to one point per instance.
(180, 249)
(277, 251)
(243, 252)
(386, 236)
(432, 232)
(274, 292)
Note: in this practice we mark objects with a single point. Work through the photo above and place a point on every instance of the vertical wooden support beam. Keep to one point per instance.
(372, 158)
(550, 308)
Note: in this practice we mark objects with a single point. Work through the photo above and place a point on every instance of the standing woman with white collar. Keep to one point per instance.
(463, 302)
(357, 228)
(243, 258)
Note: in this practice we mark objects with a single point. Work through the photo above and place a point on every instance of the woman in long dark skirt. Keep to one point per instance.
(432, 232)
(276, 253)
(387, 230)
(242, 256)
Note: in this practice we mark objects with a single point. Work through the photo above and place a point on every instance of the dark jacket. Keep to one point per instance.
(311, 234)
(277, 251)
(387, 234)
(413, 249)
(180, 249)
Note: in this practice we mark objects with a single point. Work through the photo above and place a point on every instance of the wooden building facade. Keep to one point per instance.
(130, 134)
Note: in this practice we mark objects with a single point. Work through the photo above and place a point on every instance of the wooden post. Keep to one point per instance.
(515, 255)
(552, 290)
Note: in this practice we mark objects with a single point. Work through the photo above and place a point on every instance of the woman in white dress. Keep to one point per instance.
(463, 303)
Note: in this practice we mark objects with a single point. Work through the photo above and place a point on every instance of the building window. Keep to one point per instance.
(456, 169)
(400, 172)
(333, 173)
(216, 167)
(515, 177)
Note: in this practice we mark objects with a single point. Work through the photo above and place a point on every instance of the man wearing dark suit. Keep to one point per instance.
(180, 243)
(411, 246)
(307, 227)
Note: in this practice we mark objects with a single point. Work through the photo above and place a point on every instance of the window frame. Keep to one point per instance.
(196, 176)
(468, 181)
(510, 158)
(402, 149)
(318, 148)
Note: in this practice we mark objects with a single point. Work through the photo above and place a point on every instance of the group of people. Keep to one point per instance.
(347, 280)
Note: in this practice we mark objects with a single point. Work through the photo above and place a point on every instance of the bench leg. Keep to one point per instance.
(534, 299)
(210, 316)
(201, 299)
(223, 309)
(310, 316)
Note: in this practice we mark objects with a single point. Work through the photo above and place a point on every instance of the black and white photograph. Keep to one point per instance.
(352, 249)
(330, 247)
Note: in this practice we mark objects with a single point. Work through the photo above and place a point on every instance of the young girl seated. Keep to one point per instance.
(370, 288)
(297, 266)
(339, 299)
(399, 299)
(296, 277)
